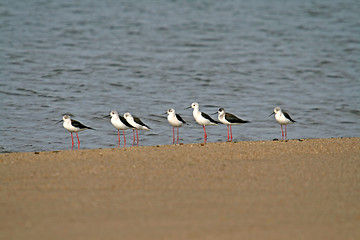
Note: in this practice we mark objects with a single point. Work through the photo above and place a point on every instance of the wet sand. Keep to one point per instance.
(299, 189)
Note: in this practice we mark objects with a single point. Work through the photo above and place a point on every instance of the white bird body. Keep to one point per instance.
(119, 122)
(136, 122)
(68, 126)
(137, 125)
(200, 117)
(174, 119)
(283, 118)
(73, 126)
(229, 119)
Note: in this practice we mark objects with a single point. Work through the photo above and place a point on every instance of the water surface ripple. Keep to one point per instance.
(88, 57)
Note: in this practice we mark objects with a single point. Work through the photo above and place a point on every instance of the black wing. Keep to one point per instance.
(78, 124)
(179, 118)
(138, 121)
(123, 120)
(208, 118)
(233, 119)
(288, 116)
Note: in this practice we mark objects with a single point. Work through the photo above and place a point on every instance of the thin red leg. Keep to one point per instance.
(205, 135)
(78, 140)
(173, 135)
(137, 137)
(285, 133)
(72, 141)
(124, 138)
(134, 137)
(231, 134)
(177, 135)
(227, 126)
(282, 133)
(119, 138)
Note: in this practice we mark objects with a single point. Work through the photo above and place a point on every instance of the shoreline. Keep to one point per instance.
(298, 189)
(180, 144)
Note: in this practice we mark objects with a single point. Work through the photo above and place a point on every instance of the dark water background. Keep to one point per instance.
(88, 57)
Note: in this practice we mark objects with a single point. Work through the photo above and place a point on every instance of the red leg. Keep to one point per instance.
(285, 133)
(231, 134)
(134, 137)
(282, 133)
(124, 138)
(119, 138)
(227, 126)
(137, 138)
(173, 135)
(205, 135)
(72, 141)
(177, 135)
(78, 140)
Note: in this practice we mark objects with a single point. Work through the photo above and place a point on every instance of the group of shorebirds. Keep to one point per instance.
(127, 121)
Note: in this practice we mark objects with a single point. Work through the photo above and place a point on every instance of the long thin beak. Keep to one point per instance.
(271, 114)
(106, 116)
(59, 122)
(187, 108)
(214, 113)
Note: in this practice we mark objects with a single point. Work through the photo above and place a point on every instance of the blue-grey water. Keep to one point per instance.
(87, 57)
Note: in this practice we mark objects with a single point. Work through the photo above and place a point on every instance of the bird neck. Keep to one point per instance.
(196, 111)
(221, 115)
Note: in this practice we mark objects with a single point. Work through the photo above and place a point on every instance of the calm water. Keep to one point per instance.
(88, 57)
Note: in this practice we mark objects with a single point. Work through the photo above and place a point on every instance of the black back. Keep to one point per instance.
(288, 116)
(78, 124)
(138, 121)
(179, 118)
(208, 118)
(123, 120)
(233, 119)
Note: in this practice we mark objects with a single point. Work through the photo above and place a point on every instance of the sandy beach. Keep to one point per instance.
(299, 189)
